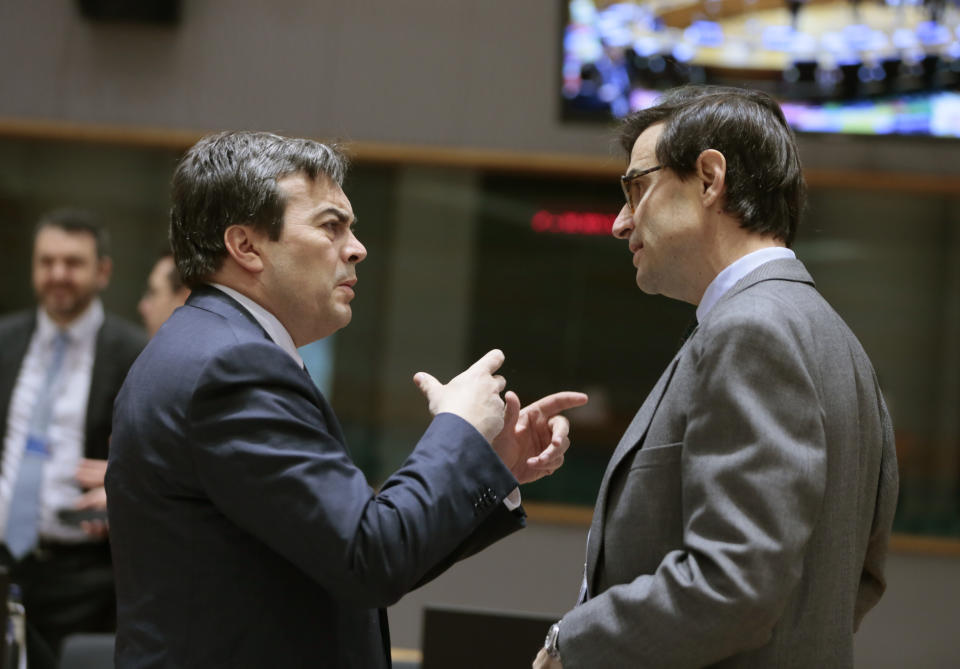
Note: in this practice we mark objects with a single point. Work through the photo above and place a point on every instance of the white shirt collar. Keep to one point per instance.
(267, 321)
(735, 271)
(84, 327)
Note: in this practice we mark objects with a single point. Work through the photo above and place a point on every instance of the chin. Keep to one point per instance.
(336, 321)
(646, 287)
(61, 309)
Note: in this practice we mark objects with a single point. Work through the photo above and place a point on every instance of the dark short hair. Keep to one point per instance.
(231, 178)
(75, 220)
(765, 189)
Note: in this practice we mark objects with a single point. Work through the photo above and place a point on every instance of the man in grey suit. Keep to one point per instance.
(743, 519)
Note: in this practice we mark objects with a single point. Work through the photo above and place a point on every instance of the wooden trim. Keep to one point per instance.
(369, 153)
(922, 545)
(376, 153)
(485, 159)
(91, 133)
(926, 184)
(406, 655)
(559, 514)
(580, 516)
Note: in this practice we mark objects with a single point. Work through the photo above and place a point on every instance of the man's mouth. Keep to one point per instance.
(58, 290)
(348, 286)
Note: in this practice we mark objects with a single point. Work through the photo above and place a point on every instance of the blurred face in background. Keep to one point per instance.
(160, 299)
(67, 274)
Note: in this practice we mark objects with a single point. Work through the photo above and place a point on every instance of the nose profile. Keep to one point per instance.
(623, 225)
(355, 250)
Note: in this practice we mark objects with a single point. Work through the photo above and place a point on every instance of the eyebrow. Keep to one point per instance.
(341, 215)
(633, 171)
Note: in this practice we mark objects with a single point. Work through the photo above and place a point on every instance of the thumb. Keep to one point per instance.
(427, 383)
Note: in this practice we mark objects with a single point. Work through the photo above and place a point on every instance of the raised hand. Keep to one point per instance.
(535, 438)
(474, 394)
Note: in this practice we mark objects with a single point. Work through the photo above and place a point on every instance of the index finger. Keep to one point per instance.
(489, 363)
(557, 402)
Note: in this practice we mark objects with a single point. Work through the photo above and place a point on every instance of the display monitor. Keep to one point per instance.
(836, 66)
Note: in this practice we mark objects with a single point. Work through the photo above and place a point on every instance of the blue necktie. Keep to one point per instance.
(21, 534)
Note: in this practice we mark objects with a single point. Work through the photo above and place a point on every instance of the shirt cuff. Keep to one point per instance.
(512, 501)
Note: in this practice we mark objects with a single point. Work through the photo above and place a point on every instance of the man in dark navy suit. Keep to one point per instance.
(243, 533)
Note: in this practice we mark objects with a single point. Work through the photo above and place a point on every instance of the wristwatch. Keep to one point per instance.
(552, 643)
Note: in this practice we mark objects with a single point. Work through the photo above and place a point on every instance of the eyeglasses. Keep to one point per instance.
(632, 191)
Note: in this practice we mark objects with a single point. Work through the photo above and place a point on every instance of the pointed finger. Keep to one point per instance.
(489, 363)
(557, 402)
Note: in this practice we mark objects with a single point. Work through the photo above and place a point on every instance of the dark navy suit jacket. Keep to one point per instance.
(244, 535)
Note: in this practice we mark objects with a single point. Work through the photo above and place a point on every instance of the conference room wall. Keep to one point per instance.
(421, 72)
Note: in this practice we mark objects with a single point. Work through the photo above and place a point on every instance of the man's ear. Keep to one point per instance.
(243, 245)
(104, 270)
(712, 172)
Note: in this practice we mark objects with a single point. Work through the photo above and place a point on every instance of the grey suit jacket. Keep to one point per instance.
(744, 517)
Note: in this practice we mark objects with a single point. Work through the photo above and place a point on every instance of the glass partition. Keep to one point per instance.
(464, 259)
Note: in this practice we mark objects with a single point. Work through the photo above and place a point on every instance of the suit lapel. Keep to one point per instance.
(333, 425)
(99, 385)
(13, 349)
(211, 299)
(783, 270)
(632, 439)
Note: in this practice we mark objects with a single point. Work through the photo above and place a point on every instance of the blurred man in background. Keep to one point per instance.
(61, 366)
(165, 292)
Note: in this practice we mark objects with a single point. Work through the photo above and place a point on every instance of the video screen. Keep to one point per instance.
(836, 66)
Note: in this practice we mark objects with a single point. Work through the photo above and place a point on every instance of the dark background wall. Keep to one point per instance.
(428, 73)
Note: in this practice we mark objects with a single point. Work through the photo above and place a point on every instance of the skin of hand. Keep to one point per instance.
(90, 474)
(535, 438)
(544, 661)
(95, 498)
(474, 394)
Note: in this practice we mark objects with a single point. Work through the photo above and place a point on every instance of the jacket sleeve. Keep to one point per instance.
(268, 461)
(872, 581)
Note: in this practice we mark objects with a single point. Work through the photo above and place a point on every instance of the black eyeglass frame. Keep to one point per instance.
(626, 179)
